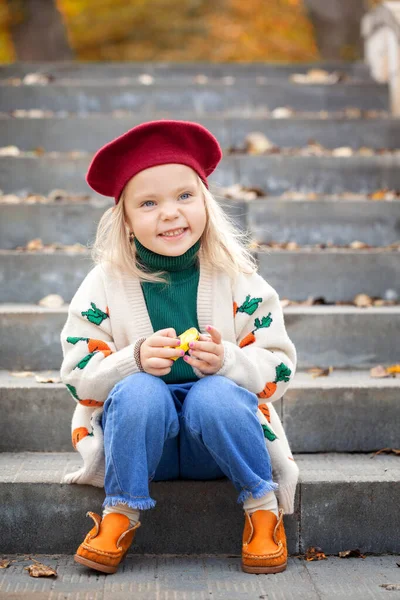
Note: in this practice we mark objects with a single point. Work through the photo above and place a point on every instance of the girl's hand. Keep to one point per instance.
(207, 353)
(157, 360)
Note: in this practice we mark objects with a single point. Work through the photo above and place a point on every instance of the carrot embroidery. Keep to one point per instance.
(249, 306)
(265, 411)
(250, 338)
(93, 345)
(78, 434)
(94, 314)
(282, 374)
(235, 309)
(268, 433)
(72, 390)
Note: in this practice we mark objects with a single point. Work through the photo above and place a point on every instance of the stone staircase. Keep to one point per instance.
(347, 497)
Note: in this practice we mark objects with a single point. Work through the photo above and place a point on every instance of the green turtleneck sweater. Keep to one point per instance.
(174, 304)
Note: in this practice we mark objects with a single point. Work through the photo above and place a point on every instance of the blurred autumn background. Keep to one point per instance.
(181, 30)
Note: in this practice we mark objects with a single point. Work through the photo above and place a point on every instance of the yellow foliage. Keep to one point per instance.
(185, 30)
(6, 45)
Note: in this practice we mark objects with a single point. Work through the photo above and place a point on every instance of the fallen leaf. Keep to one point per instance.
(282, 112)
(201, 79)
(56, 195)
(378, 371)
(357, 245)
(257, 143)
(393, 369)
(42, 379)
(319, 372)
(52, 301)
(5, 563)
(40, 570)
(35, 244)
(22, 373)
(146, 79)
(10, 199)
(314, 553)
(343, 151)
(351, 553)
(390, 586)
(315, 76)
(10, 151)
(362, 300)
(36, 79)
(388, 451)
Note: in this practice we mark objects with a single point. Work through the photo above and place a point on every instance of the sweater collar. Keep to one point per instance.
(159, 262)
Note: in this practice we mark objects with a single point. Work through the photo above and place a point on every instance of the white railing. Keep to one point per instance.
(380, 29)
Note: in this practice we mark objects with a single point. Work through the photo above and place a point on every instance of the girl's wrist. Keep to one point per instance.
(136, 352)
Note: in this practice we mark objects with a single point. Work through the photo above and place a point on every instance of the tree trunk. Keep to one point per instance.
(39, 34)
(337, 26)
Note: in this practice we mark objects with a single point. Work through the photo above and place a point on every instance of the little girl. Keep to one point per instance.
(169, 259)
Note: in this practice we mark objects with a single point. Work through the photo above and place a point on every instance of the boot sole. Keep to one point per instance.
(274, 569)
(98, 566)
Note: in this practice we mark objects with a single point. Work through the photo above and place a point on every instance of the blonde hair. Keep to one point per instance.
(223, 245)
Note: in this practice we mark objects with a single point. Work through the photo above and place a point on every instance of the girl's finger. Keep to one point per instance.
(215, 334)
(207, 357)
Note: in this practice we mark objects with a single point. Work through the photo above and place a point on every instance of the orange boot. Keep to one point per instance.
(107, 543)
(264, 548)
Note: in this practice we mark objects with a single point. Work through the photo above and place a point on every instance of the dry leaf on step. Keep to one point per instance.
(282, 112)
(10, 151)
(22, 373)
(378, 371)
(42, 379)
(36, 79)
(362, 300)
(51, 301)
(343, 151)
(5, 563)
(40, 570)
(357, 245)
(387, 450)
(257, 143)
(319, 372)
(314, 553)
(393, 369)
(390, 586)
(351, 553)
(315, 76)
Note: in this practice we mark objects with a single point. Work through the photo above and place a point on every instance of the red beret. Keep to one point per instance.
(150, 144)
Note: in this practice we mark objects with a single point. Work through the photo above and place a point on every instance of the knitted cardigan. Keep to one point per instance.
(108, 315)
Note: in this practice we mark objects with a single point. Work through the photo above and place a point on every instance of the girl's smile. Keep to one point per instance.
(176, 234)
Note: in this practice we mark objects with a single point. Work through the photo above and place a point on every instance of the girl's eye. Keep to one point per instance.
(184, 194)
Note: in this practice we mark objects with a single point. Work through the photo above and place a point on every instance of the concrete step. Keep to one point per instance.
(274, 174)
(338, 506)
(116, 70)
(336, 274)
(337, 336)
(199, 577)
(171, 98)
(325, 220)
(338, 413)
(93, 131)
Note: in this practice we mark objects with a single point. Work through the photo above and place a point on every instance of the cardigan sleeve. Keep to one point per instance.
(264, 358)
(91, 364)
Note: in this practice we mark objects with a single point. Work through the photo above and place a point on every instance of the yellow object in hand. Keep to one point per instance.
(190, 335)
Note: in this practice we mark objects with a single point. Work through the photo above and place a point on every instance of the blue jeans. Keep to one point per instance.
(205, 429)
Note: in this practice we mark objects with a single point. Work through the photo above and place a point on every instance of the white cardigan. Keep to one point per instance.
(108, 315)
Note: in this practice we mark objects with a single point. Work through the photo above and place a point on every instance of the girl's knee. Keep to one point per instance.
(211, 397)
(139, 391)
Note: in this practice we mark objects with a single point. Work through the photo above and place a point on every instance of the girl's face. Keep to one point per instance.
(162, 199)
